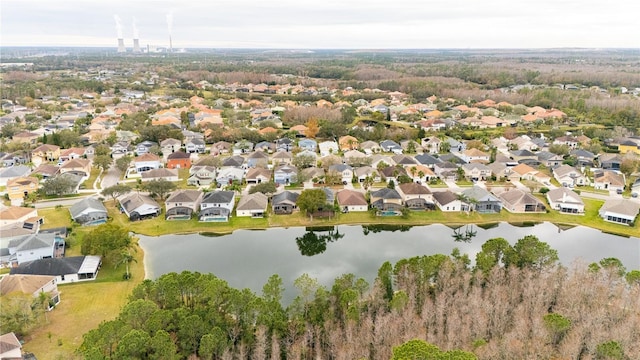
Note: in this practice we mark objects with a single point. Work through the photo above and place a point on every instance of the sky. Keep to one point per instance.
(323, 24)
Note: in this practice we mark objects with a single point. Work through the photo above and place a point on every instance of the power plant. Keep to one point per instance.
(136, 46)
(121, 48)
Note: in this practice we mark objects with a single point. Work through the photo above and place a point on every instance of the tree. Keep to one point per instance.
(531, 253)
(126, 258)
(311, 200)
(161, 188)
(116, 191)
(123, 163)
(493, 253)
(416, 350)
(266, 188)
(103, 161)
(610, 350)
(303, 161)
(557, 325)
(107, 240)
(633, 277)
(559, 149)
(213, 344)
(59, 185)
(312, 128)
(162, 347)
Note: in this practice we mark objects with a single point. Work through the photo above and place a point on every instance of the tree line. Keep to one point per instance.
(516, 302)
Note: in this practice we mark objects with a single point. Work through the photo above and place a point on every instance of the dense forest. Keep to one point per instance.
(516, 302)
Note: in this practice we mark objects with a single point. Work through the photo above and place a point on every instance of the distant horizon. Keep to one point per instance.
(330, 24)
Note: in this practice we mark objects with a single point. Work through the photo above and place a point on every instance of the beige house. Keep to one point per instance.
(254, 205)
(351, 201)
(32, 285)
(45, 153)
(19, 188)
(80, 167)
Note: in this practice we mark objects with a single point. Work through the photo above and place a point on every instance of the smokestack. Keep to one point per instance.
(170, 45)
(121, 48)
(136, 46)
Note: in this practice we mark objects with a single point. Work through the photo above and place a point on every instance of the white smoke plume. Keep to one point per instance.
(136, 33)
(170, 22)
(118, 25)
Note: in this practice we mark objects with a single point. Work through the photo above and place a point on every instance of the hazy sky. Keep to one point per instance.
(369, 24)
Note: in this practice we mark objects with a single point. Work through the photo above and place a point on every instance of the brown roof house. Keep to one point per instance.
(351, 201)
(182, 204)
(416, 196)
(32, 285)
(254, 205)
(518, 201)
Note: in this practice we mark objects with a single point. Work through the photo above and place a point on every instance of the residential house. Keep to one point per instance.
(524, 154)
(285, 174)
(144, 147)
(25, 137)
(221, 148)
(370, 147)
(66, 270)
(351, 201)
(227, 175)
(427, 160)
(356, 158)
(431, 145)
(522, 172)
(19, 188)
(403, 160)
(570, 141)
(392, 173)
(258, 175)
(629, 145)
(179, 160)
(481, 200)
(416, 196)
(201, 175)
(11, 347)
(284, 202)
(160, 174)
(72, 153)
(13, 172)
(169, 146)
(32, 247)
(635, 187)
(449, 202)
(386, 199)
(610, 161)
(284, 157)
(236, 161)
(500, 170)
(45, 153)
(348, 142)
(476, 171)
(363, 172)
(565, 200)
(327, 148)
(146, 162)
(254, 205)
(419, 173)
(16, 158)
(550, 159)
(79, 167)
(391, 146)
(308, 144)
(621, 211)
(265, 146)
(16, 214)
(182, 204)
(379, 160)
(120, 149)
(314, 174)
(284, 144)
(217, 206)
(569, 176)
(474, 155)
(138, 206)
(518, 201)
(608, 180)
(455, 145)
(89, 211)
(411, 146)
(195, 146)
(33, 285)
(446, 170)
(258, 159)
(343, 171)
(583, 157)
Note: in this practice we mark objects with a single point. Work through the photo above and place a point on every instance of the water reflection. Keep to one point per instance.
(315, 240)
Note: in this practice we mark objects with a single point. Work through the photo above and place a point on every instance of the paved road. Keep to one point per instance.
(61, 202)
(111, 177)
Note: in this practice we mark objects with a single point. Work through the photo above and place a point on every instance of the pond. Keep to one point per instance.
(246, 258)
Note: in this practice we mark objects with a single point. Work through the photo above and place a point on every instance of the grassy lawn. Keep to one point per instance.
(463, 183)
(183, 175)
(88, 184)
(592, 190)
(55, 217)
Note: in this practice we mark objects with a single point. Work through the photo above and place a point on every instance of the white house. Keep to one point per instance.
(621, 211)
(138, 206)
(449, 202)
(146, 162)
(66, 270)
(217, 206)
(328, 148)
(565, 200)
(32, 247)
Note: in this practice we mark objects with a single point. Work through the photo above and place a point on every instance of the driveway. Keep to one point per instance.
(111, 177)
